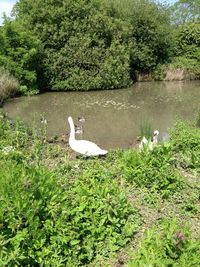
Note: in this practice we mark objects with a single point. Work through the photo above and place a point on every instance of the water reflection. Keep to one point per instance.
(113, 117)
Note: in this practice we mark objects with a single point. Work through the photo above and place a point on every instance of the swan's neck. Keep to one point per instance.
(72, 131)
(155, 139)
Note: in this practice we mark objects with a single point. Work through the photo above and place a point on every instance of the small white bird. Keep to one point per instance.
(81, 119)
(149, 143)
(79, 129)
(155, 137)
(83, 147)
(43, 120)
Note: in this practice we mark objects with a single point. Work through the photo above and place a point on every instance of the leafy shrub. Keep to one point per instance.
(186, 143)
(153, 171)
(169, 245)
(84, 47)
(43, 223)
(150, 35)
(188, 40)
(148, 32)
(20, 53)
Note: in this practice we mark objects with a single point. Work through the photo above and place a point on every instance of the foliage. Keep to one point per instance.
(149, 32)
(184, 11)
(84, 48)
(188, 41)
(183, 67)
(153, 171)
(171, 245)
(146, 130)
(20, 53)
(8, 85)
(190, 66)
(87, 45)
(42, 223)
(186, 143)
(48, 220)
(151, 38)
(80, 211)
(186, 52)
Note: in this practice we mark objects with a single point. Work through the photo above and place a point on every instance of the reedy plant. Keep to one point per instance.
(9, 85)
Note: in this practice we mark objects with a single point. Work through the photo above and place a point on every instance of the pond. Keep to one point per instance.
(113, 118)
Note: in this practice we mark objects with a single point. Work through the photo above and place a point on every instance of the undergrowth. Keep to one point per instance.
(55, 211)
(154, 171)
(169, 244)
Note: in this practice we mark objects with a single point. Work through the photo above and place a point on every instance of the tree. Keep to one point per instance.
(188, 41)
(185, 11)
(150, 35)
(83, 46)
(20, 53)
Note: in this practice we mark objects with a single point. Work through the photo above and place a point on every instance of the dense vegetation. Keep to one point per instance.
(132, 207)
(56, 211)
(84, 45)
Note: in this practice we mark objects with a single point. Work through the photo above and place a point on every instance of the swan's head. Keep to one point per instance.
(156, 133)
(81, 119)
(70, 120)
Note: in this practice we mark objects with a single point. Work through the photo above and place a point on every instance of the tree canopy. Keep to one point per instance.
(93, 44)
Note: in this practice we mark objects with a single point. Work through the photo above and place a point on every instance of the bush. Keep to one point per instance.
(84, 47)
(20, 54)
(170, 244)
(48, 222)
(150, 35)
(186, 144)
(9, 85)
(153, 171)
(188, 40)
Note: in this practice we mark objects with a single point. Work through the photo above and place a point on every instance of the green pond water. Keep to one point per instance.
(112, 117)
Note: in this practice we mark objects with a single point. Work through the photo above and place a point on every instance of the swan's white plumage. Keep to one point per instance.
(83, 147)
(149, 143)
(81, 119)
(143, 143)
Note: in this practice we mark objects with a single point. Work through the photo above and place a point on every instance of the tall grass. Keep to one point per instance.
(146, 130)
(8, 85)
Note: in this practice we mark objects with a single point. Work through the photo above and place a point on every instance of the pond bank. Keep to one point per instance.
(50, 200)
(170, 75)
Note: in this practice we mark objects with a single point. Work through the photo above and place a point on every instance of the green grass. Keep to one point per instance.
(56, 211)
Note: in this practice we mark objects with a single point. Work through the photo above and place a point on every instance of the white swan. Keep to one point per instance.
(143, 143)
(151, 143)
(155, 137)
(83, 147)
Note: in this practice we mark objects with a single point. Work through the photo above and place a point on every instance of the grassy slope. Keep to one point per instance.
(129, 208)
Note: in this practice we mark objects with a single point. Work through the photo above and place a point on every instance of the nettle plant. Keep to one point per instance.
(44, 224)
